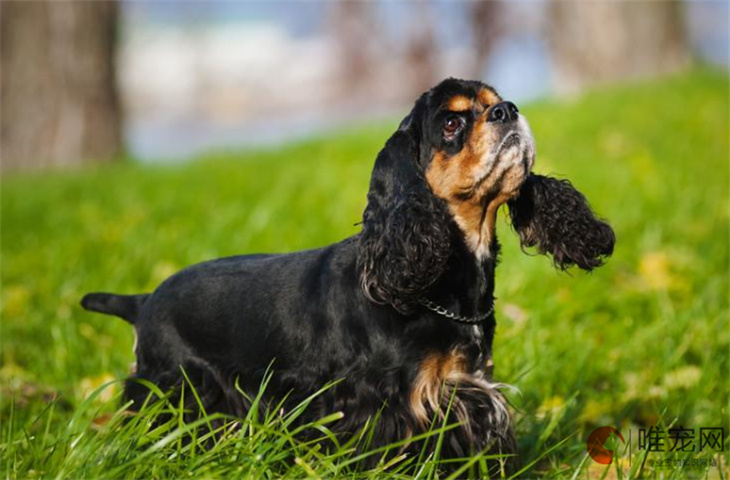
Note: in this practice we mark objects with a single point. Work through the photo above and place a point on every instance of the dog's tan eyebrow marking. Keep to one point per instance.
(488, 97)
(459, 103)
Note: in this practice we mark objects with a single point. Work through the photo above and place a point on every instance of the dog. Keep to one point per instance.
(402, 313)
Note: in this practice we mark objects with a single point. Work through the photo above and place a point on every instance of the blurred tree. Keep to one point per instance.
(485, 18)
(597, 42)
(421, 54)
(366, 59)
(352, 23)
(59, 95)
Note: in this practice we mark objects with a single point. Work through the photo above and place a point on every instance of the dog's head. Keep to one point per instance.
(456, 157)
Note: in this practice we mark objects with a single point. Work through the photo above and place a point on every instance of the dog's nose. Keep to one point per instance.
(503, 112)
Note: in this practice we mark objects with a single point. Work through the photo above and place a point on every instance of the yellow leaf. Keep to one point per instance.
(655, 271)
(551, 406)
(683, 377)
(89, 384)
(15, 300)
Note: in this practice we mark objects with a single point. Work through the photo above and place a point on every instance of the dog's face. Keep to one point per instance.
(458, 155)
(481, 146)
(478, 151)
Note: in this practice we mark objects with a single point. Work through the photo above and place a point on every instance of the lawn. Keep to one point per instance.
(641, 342)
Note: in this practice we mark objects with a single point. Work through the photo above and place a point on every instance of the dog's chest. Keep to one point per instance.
(475, 347)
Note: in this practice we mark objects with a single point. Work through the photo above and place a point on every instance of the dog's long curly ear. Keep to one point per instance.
(405, 240)
(552, 215)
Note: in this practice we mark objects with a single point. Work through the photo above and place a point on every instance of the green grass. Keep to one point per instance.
(642, 341)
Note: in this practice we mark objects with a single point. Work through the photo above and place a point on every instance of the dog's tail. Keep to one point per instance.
(123, 306)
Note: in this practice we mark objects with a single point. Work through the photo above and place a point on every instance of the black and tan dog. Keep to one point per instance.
(403, 312)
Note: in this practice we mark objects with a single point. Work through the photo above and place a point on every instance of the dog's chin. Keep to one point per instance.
(512, 152)
(508, 164)
(515, 158)
(517, 147)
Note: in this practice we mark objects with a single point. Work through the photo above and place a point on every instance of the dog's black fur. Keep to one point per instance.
(351, 311)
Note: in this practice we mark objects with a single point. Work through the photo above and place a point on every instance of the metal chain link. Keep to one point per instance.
(434, 307)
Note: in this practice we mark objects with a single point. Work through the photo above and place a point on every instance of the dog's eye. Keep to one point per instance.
(452, 125)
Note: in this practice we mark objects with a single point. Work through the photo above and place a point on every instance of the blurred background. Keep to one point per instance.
(165, 81)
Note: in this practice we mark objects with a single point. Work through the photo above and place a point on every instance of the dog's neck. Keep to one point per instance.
(477, 220)
(466, 287)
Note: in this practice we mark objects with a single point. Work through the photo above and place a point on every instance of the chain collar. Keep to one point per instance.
(434, 307)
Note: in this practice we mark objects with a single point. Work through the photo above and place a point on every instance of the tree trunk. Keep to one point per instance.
(59, 95)
(352, 22)
(486, 18)
(421, 52)
(601, 42)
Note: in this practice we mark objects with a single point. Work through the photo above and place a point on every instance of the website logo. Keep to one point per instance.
(596, 444)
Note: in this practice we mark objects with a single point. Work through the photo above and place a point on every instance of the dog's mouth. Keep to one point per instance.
(514, 152)
(512, 139)
(517, 146)
(509, 162)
